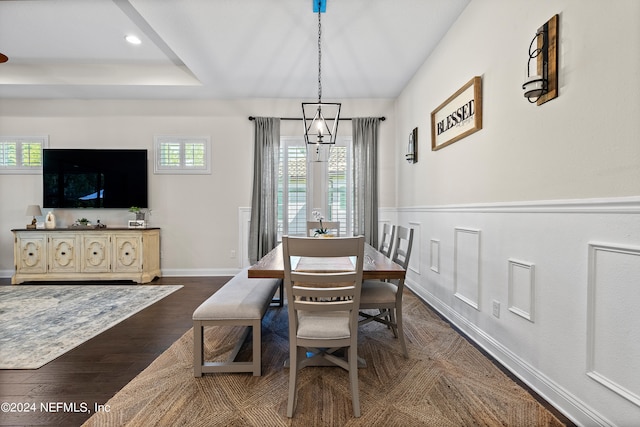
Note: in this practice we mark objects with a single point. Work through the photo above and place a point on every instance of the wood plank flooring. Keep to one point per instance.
(96, 370)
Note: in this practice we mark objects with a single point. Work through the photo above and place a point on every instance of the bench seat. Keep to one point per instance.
(240, 302)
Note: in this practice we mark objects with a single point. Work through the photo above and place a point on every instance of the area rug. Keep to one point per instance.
(39, 323)
(445, 381)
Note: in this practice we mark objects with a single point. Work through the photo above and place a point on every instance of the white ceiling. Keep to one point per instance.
(216, 49)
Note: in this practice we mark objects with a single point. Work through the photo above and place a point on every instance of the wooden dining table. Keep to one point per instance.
(376, 266)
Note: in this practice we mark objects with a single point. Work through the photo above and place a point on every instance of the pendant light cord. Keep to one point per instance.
(319, 55)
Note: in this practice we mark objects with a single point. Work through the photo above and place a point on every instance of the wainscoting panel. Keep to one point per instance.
(614, 318)
(579, 346)
(466, 272)
(414, 260)
(434, 254)
(522, 289)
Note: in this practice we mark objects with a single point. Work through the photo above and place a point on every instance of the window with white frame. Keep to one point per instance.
(305, 185)
(182, 155)
(22, 154)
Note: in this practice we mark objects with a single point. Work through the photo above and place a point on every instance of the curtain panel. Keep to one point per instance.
(263, 228)
(365, 177)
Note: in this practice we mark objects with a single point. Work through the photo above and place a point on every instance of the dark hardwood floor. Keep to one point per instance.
(93, 372)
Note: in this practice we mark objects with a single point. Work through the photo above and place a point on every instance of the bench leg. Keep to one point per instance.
(198, 348)
(257, 347)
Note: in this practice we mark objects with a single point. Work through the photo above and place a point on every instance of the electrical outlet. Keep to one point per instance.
(232, 254)
(496, 308)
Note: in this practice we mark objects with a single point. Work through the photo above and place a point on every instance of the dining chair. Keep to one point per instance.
(332, 226)
(323, 299)
(386, 295)
(386, 241)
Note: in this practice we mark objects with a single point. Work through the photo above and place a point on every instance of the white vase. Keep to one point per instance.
(50, 221)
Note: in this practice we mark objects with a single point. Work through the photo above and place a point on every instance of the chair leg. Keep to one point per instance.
(353, 379)
(293, 378)
(393, 324)
(400, 328)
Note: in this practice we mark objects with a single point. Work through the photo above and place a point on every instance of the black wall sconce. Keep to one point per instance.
(541, 83)
(412, 148)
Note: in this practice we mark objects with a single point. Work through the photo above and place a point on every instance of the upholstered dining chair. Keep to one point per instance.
(323, 294)
(386, 296)
(386, 241)
(333, 227)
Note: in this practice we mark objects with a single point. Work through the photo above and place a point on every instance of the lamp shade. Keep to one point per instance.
(33, 210)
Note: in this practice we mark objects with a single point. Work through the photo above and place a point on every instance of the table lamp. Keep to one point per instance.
(34, 211)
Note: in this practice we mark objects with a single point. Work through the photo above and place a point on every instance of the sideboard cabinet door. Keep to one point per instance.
(128, 252)
(30, 254)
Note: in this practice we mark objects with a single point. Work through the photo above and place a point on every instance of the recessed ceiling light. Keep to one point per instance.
(132, 39)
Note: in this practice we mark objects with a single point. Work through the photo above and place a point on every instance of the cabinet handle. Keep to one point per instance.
(95, 253)
(63, 253)
(30, 253)
(126, 253)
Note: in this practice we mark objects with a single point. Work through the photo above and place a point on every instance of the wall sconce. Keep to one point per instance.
(412, 148)
(34, 211)
(541, 83)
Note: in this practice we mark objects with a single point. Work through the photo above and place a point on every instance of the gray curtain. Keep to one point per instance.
(365, 178)
(263, 230)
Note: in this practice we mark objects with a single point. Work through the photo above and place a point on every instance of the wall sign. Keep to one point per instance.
(458, 116)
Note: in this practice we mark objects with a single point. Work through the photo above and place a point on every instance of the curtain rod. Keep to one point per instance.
(295, 118)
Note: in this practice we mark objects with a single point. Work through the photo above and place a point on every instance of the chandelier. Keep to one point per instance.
(320, 119)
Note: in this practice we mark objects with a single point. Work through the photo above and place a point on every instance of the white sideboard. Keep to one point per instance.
(86, 254)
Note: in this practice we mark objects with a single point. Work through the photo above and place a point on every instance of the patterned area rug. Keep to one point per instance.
(40, 323)
(445, 382)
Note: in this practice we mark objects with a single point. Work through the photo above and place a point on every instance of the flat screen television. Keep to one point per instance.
(94, 178)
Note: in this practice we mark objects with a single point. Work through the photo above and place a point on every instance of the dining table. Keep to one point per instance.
(376, 266)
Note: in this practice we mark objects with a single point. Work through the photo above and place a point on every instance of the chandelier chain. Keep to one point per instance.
(319, 55)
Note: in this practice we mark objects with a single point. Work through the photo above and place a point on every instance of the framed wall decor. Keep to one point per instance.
(459, 116)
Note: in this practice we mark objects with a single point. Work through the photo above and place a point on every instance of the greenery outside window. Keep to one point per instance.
(182, 155)
(22, 154)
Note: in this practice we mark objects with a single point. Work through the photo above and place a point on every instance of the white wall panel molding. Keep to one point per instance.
(613, 320)
(244, 221)
(522, 289)
(630, 205)
(414, 260)
(434, 256)
(466, 262)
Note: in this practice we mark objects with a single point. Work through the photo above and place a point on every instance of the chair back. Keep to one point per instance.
(323, 275)
(386, 241)
(333, 227)
(402, 246)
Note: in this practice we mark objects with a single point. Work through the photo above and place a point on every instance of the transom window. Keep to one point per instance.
(22, 154)
(305, 184)
(182, 155)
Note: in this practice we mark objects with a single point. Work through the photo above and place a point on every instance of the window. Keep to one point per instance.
(22, 154)
(182, 155)
(305, 185)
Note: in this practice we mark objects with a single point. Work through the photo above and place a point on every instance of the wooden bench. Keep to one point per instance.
(240, 302)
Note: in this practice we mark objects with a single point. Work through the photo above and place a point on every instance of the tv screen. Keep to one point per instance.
(85, 178)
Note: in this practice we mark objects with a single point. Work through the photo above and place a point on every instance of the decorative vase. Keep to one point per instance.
(50, 221)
